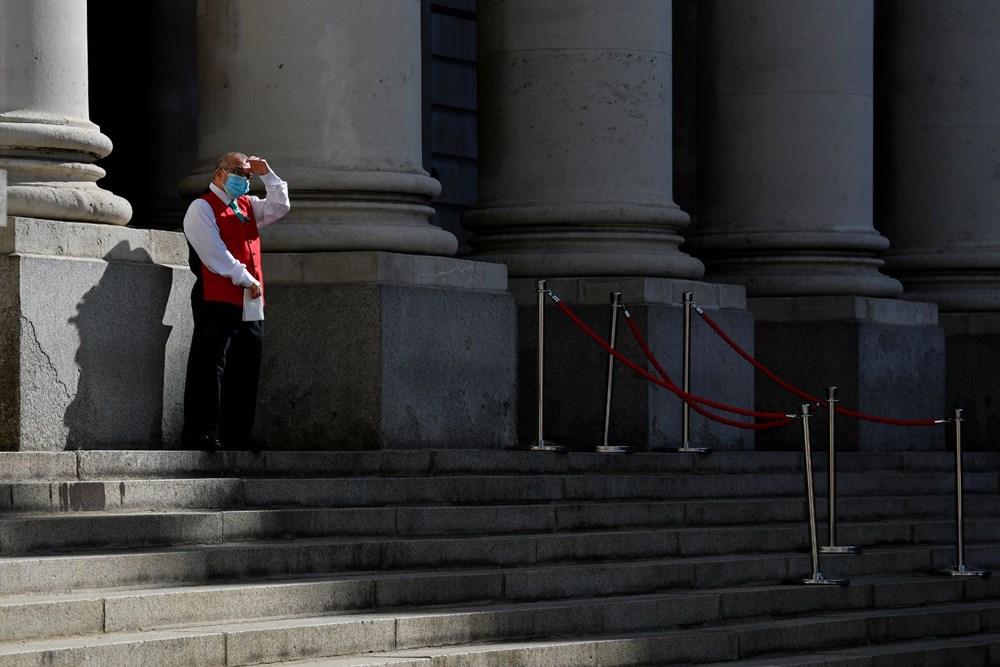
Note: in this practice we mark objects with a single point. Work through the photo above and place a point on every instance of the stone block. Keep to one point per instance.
(973, 376)
(93, 337)
(383, 351)
(885, 357)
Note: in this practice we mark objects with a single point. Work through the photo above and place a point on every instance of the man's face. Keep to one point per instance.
(235, 166)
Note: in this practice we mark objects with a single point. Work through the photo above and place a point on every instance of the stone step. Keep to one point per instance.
(962, 651)
(134, 495)
(639, 621)
(121, 610)
(309, 556)
(213, 562)
(279, 556)
(213, 493)
(23, 533)
(149, 464)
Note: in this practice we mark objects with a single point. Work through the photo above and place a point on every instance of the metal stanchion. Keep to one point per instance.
(960, 570)
(540, 443)
(831, 503)
(685, 408)
(616, 304)
(817, 576)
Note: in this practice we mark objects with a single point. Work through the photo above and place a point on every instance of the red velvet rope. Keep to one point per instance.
(802, 394)
(782, 418)
(666, 383)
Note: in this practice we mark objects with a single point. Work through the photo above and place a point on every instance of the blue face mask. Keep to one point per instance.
(237, 186)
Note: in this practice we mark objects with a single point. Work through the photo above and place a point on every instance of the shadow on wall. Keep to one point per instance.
(119, 396)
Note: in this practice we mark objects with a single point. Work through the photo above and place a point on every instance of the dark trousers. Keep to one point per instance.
(223, 371)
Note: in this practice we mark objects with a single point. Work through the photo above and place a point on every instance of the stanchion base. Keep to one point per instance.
(839, 550)
(612, 449)
(683, 450)
(962, 571)
(541, 446)
(818, 579)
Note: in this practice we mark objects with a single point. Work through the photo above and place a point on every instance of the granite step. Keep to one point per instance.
(904, 520)
(38, 616)
(638, 630)
(240, 492)
(148, 464)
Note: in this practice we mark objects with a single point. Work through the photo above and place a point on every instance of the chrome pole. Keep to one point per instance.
(686, 386)
(817, 576)
(686, 414)
(831, 495)
(616, 304)
(960, 570)
(540, 444)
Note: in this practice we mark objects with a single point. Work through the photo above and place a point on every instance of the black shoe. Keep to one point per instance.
(207, 443)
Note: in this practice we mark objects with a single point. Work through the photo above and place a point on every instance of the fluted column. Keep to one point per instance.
(330, 94)
(943, 101)
(786, 203)
(575, 173)
(47, 143)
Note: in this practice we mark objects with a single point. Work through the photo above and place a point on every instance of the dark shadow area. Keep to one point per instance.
(119, 397)
(144, 96)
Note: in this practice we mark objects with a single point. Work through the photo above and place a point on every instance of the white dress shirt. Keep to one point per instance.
(203, 232)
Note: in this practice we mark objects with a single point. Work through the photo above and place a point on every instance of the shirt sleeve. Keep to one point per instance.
(202, 233)
(275, 205)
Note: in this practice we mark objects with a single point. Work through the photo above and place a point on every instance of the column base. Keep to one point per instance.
(94, 329)
(375, 350)
(885, 356)
(644, 416)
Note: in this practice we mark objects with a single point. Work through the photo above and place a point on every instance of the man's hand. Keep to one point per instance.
(258, 165)
(254, 291)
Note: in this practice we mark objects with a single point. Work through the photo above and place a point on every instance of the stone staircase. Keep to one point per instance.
(475, 558)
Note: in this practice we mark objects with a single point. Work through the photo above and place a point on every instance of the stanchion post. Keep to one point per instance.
(686, 414)
(540, 443)
(616, 305)
(831, 493)
(686, 386)
(960, 569)
(817, 576)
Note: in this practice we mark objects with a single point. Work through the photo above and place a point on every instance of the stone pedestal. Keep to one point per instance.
(371, 350)
(972, 341)
(643, 415)
(94, 330)
(886, 358)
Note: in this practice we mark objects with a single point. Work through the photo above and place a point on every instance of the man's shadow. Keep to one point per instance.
(119, 395)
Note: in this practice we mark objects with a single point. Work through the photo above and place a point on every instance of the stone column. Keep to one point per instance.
(576, 184)
(943, 103)
(786, 209)
(48, 145)
(787, 148)
(375, 337)
(330, 94)
(575, 165)
(942, 90)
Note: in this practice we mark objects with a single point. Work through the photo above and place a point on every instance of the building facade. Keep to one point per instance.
(819, 179)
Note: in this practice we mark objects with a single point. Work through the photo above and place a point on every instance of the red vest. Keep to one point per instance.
(242, 240)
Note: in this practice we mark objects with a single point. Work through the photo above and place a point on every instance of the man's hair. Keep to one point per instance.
(227, 158)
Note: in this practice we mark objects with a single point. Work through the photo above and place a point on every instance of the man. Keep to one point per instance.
(227, 302)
